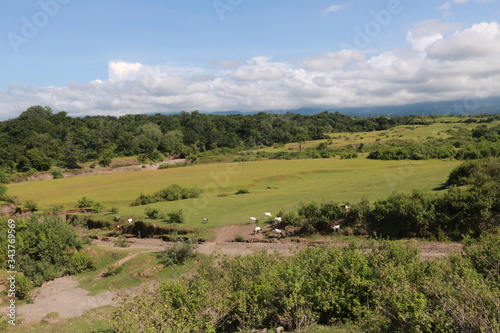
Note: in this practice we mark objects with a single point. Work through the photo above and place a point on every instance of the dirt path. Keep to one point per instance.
(63, 296)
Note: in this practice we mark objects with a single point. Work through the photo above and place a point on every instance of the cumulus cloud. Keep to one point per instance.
(439, 63)
(331, 61)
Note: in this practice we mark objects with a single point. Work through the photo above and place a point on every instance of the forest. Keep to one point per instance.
(39, 138)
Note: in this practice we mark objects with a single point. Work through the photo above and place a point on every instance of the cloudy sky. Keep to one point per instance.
(116, 57)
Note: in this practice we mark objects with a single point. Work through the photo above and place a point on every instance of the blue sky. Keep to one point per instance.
(116, 57)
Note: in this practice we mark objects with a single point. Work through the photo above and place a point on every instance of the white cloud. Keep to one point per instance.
(433, 67)
(331, 61)
(335, 8)
(425, 33)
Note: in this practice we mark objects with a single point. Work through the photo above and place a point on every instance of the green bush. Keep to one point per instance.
(57, 174)
(84, 202)
(242, 191)
(31, 205)
(98, 207)
(23, 288)
(4, 178)
(45, 247)
(176, 254)
(80, 262)
(176, 216)
(154, 213)
(385, 288)
(172, 193)
(484, 254)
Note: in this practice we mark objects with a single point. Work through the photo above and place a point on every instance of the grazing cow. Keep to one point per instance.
(267, 214)
(336, 227)
(117, 218)
(346, 208)
(130, 220)
(205, 220)
(253, 220)
(278, 219)
(278, 232)
(119, 227)
(257, 229)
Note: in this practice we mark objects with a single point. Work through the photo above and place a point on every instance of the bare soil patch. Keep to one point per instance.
(63, 296)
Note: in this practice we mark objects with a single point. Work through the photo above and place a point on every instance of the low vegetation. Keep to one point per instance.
(385, 288)
(46, 248)
(172, 193)
(176, 254)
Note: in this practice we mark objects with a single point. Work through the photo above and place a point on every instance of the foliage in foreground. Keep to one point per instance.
(385, 288)
(176, 254)
(46, 248)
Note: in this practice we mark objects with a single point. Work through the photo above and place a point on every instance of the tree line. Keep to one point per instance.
(39, 138)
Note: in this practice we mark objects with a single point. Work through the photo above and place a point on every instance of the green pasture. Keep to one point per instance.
(406, 132)
(273, 185)
(137, 270)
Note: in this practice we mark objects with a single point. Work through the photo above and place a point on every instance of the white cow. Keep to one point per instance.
(257, 229)
(336, 227)
(346, 208)
(278, 232)
(253, 220)
(130, 220)
(278, 219)
(267, 214)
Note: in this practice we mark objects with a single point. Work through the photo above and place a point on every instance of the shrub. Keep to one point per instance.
(44, 247)
(484, 254)
(176, 254)
(31, 205)
(3, 192)
(154, 213)
(56, 209)
(171, 193)
(23, 288)
(80, 262)
(4, 178)
(405, 215)
(113, 210)
(84, 202)
(98, 207)
(242, 191)
(176, 217)
(105, 161)
(57, 174)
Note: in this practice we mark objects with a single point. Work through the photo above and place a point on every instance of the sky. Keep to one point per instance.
(103, 57)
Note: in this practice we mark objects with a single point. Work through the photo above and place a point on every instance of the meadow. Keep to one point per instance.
(272, 184)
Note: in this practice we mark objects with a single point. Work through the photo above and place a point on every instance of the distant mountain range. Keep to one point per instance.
(463, 107)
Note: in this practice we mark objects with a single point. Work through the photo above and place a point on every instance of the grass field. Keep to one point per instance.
(407, 132)
(273, 185)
